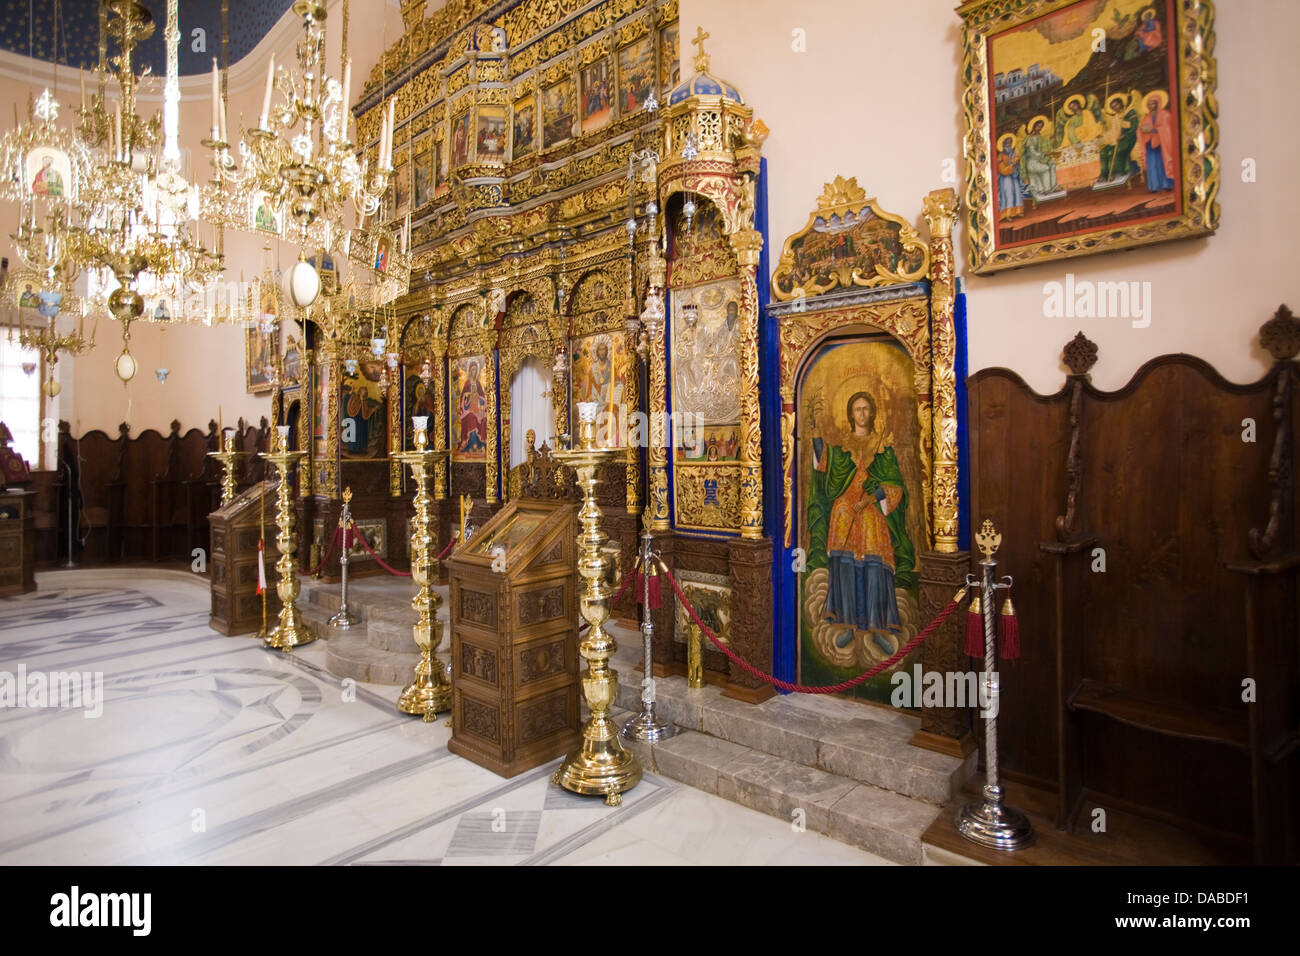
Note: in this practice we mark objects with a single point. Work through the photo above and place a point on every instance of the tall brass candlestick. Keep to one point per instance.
(292, 631)
(430, 692)
(228, 457)
(600, 765)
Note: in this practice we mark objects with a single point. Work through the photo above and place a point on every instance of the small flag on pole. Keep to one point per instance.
(261, 566)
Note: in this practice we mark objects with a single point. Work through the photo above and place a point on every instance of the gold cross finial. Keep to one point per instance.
(701, 58)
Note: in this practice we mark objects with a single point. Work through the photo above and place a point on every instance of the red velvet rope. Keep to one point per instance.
(328, 554)
(380, 561)
(450, 544)
(804, 688)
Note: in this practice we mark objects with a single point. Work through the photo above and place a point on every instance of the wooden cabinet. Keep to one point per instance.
(514, 638)
(17, 542)
(235, 529)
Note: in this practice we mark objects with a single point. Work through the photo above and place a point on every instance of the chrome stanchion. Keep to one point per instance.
(992, 823)
(646, 726)
(344, 619)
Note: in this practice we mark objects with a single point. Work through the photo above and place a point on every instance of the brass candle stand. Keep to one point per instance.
(430, 692)
(292, 631)
(229, 458)
(600, 765)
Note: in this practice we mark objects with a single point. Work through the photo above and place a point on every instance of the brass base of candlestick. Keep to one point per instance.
(600, 766)
(430, 693)
(291, 632)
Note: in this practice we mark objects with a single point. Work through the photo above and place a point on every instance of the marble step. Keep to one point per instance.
(348, 655)
(880, 821)
(850, 740)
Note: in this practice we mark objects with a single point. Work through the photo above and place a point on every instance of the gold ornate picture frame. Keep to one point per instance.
(1091, 126)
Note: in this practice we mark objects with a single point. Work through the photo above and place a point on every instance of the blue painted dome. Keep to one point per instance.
(703, 84)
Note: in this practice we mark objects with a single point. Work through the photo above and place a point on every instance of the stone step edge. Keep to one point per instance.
(841, 808)
(674, 709)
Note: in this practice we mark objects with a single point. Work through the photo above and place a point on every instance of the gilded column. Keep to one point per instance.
(329, 468)
(490, 477)
(653, 317)
(632, 396)
(306, 414)
(394, 431)
(440, 418)
(941, 214)
(748, 244)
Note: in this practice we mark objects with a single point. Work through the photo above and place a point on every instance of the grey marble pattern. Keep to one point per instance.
(213, 750)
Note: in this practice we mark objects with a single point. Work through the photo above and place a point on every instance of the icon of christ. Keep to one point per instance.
(857, 506)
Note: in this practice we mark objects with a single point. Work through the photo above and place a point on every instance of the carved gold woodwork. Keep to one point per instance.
(941, 214)
(922, 323)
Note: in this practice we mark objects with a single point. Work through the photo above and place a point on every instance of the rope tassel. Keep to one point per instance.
(975, 629)
(1010, 631)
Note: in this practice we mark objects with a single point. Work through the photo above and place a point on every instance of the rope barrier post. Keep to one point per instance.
(992, 823)
(344, 619)
(646, 725)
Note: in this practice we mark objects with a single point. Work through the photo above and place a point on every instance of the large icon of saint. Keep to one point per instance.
(857, 506)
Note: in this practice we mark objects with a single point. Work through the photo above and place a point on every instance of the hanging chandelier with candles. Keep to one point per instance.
(140, 213)
(301, 156)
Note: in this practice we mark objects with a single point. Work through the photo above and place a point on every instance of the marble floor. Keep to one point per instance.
(212, 750)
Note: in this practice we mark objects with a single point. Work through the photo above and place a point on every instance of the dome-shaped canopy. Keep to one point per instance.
(703, 83)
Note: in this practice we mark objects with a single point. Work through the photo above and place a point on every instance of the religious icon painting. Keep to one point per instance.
(320, 389)
(291, 339)
(860, 498)
(559, 106)
(1094, 127)
(418, 399)
(383, 250)
(670, 64)
(636, 75)
(706, 385)
(266, 216)
(460, 136)
(440, 183)
(490, 141)
(470, 381)
(324, 265)
(49, 174)
(420, 170)
(363, 412)
(257, 359)
(523, 127)
(401, 188)
(599, 369)
(597, 94)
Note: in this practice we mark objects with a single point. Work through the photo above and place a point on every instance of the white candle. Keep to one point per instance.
(388, 156)
(117, 131)
(216, 100)
(266, 100)
(347, 100)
